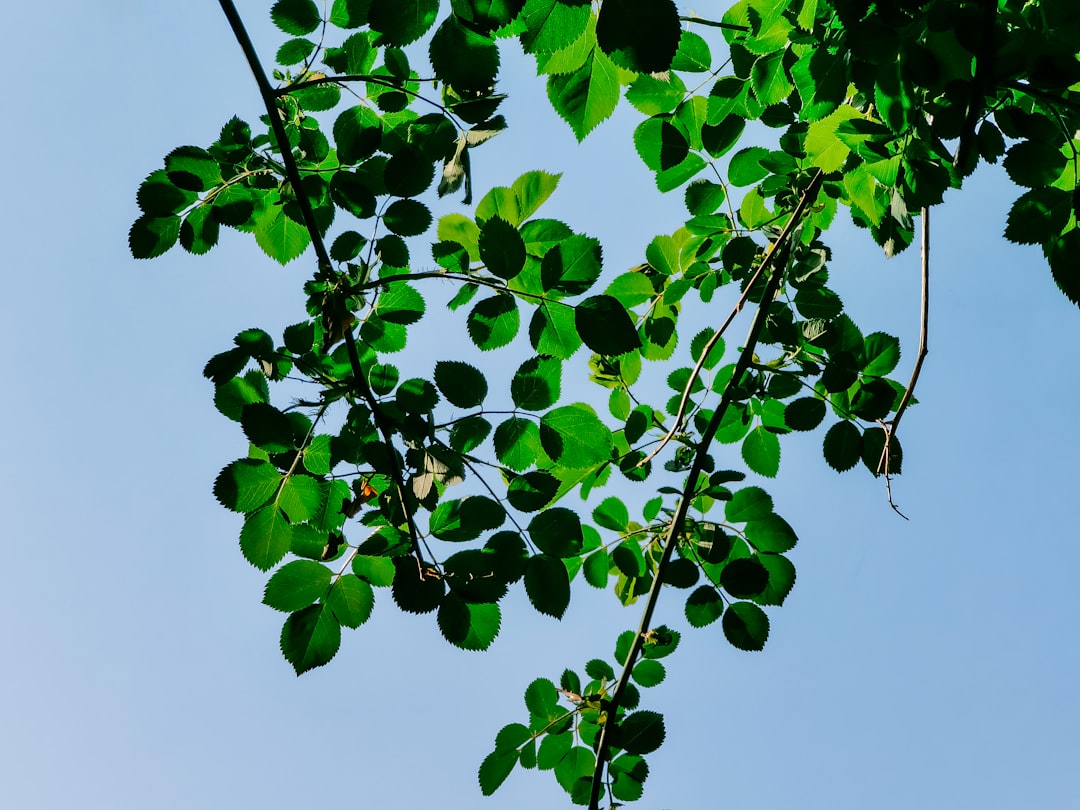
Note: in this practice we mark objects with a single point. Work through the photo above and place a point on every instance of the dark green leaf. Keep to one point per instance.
(843, 446)
(548, 585)
(466, 60)
(1039, 216)
(805, 413)
(743, 578)
(648, 673)
(517, 443)
(310, 638)
(770, 533)
(575, 767)
(468, 434)
(416, 589)
(462, 385)
(267, 427)
(557, 532)
(532, 491)
(495, 769)
(641, 732)
(159, 197)
(400, 22)
(1034, 163)
(611, 513)
(1062, 253)
(149, 237)
(749, 503)
(469, 626)
(296, 16)
(605, 326)
(459, 520)
(704, 606)
(761, 451)
(746, 626)
(502, 249)
(247, 484)
(296, 585)
(639, 35)
(407, 217)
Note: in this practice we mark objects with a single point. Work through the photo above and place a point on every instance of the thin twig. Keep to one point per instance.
(326, 268)
(924, 325)
(697, 467)
(675, 427)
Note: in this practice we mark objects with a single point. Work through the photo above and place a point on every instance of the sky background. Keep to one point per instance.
(922, 664)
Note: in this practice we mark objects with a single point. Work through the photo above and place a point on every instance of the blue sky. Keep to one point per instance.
(928, 663)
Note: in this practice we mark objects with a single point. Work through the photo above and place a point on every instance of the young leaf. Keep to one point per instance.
(310, 638)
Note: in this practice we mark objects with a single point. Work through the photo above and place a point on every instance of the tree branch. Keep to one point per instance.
(780, 250)
(326, 268)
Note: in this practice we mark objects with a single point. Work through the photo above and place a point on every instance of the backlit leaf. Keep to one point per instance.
(310, 638)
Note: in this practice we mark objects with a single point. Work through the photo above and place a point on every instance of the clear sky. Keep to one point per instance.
(921, 664)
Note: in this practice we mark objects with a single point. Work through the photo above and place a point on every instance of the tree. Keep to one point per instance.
(369, 481)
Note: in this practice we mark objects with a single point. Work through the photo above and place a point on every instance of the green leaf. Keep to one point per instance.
(310, 638)
(199, 231)
(552, 25)
(463, 385)
(294, 51)
(629, 771)
(536, 384)
(611, 513)
(149, 236)
(768, 79)
(605, 326)
(407, 217)
(542, 699)
(494, 322)
(247, 484)
(781, 579)
(267, 427)
(502, 250)
(378, 571)
(192, 168)
(495, 769)
(574, 437)
(639, 35)
(587, 96)
(553, 748)
(1039, 216)
(1034, 163)
(351, 600)
(517, 443)
(770, 533)
(465, 59)
(467, 625)
(349, 14)
(693, 55)
(468, 434)
(881, 353)
(532, 491)
(409, 172)
(572, 266)
(557, 532)
(400, 304)
(1061, 254)
(761, 451)
(745, 168)
(296, 585)
(553, 331)
(159, 197)
(400, 22)
(459, 520)
(281, 237)
(266, 537)
(301, 497)
(748, 503)
(746, 626)
(652, 96)
(704, 606)
(744, 577)
(842, 446)
(704, 198)
(648, 673)
(575, 767)
(357, 133)
(296, 16)
(548, 585)
(823, 147)
(641, 732)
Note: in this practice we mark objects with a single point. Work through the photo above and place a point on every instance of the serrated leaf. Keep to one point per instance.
(296, 17)
(611, 513)
(587, 96)
(553, 331)
(574, 437)
(149, 236)
(296, 585)
(639, 35)
(310, 638)
(547, 585)
(247, 484)
(704, 606)
(517, 443)
(541, 699)
(842, 446)
(400, 22)
(416, 589)
(1039, 216)
(770, 533)
(470, 626)
(502, 250)
(301, 497)
(648, 673)
(532, 491)
(494, 322)
(495, 769)
(641, 732)
(748, 503)
(605, 326)
(781, 579)
(761, 451)
(266, 537)
(536, 384)
(746, 626)
(557, 531)
(463, 385)
(823, 147)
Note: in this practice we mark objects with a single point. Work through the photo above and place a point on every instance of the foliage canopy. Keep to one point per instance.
(450, 487)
